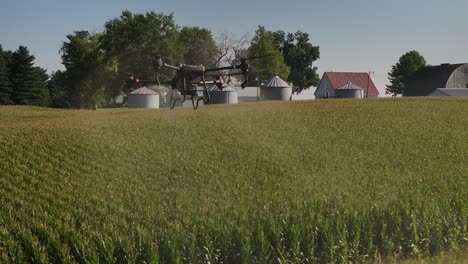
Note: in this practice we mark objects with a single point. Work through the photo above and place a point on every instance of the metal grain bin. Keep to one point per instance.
(227, 95)
(275, 89)
(348, 90)
(143, 98)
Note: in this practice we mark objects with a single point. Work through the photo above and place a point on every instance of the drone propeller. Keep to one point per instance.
(120, 72)
(232, 74)
(161, 56)
(159, 63)
(244, 66)
(256, 57)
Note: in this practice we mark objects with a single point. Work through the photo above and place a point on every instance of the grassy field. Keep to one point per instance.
(273, 182)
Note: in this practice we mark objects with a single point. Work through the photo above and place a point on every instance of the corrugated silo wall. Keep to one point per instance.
(459, 78)
(223, 97)
(143, 101)
(275, 93)
(348, 93)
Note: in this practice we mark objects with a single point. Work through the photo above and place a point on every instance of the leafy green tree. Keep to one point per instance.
(5, 86)
(56, 86)
(134, 40)
(299, 54)
(406, 66)
(41, 80)
(111, 85)
(266, 67)
(28, 82)
(84, 64)
(198, 46)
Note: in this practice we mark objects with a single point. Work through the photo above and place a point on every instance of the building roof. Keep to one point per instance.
(349, 86)
(360, 79)
(276, 82)
(144, 91)
(427, 79)
(451, 92)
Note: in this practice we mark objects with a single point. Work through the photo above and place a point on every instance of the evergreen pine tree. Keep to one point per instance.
(27, 81)
(5, 86)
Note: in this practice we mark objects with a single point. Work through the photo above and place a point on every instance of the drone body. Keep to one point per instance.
(189, 80)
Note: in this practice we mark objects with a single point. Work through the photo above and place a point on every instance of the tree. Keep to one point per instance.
(28, 82)
(83, 61)
(229, 48)
(5, 86)
(273, 64)
(41, 81)
(406, 66)
(56, 86)
(299, 55)
(134, 40)
(198, 46)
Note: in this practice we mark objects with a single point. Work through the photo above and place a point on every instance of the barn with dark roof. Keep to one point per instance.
(334, 80)
(427, 79)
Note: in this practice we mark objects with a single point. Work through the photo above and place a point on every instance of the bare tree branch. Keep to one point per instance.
(229, 47)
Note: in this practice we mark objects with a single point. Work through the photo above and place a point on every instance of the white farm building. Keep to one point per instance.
(331, 81)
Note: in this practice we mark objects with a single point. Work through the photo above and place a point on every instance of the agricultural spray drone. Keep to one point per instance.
(189, 81)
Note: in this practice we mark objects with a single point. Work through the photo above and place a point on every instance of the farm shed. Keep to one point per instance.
(450, 92)
(276, 89)
(143, 98)
(427, 79)
(332, 80)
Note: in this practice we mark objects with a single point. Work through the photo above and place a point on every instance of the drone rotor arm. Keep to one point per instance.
(258, 57)
(167, 83)
(233, 74)
(172, 67)
(222, 68)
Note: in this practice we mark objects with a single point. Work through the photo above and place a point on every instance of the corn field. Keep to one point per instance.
(329, 181)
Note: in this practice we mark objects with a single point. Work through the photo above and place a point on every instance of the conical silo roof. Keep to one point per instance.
(215, 88)
(144, 91)
(349, 86)
(276, 82)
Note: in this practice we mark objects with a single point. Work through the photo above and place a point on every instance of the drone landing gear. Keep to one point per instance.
(195, 99)
(205, 97)
(195, 102)
(192, 94)
(172, 99)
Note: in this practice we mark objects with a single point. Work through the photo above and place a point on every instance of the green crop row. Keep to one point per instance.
(318, 235)
(287, 182)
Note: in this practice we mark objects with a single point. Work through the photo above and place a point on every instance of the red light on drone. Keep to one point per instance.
(135, 80)
(218, 83)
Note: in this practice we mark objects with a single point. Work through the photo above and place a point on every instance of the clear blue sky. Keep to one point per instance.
(353, 35)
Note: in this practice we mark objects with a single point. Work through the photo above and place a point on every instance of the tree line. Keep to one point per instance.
(98, 65)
